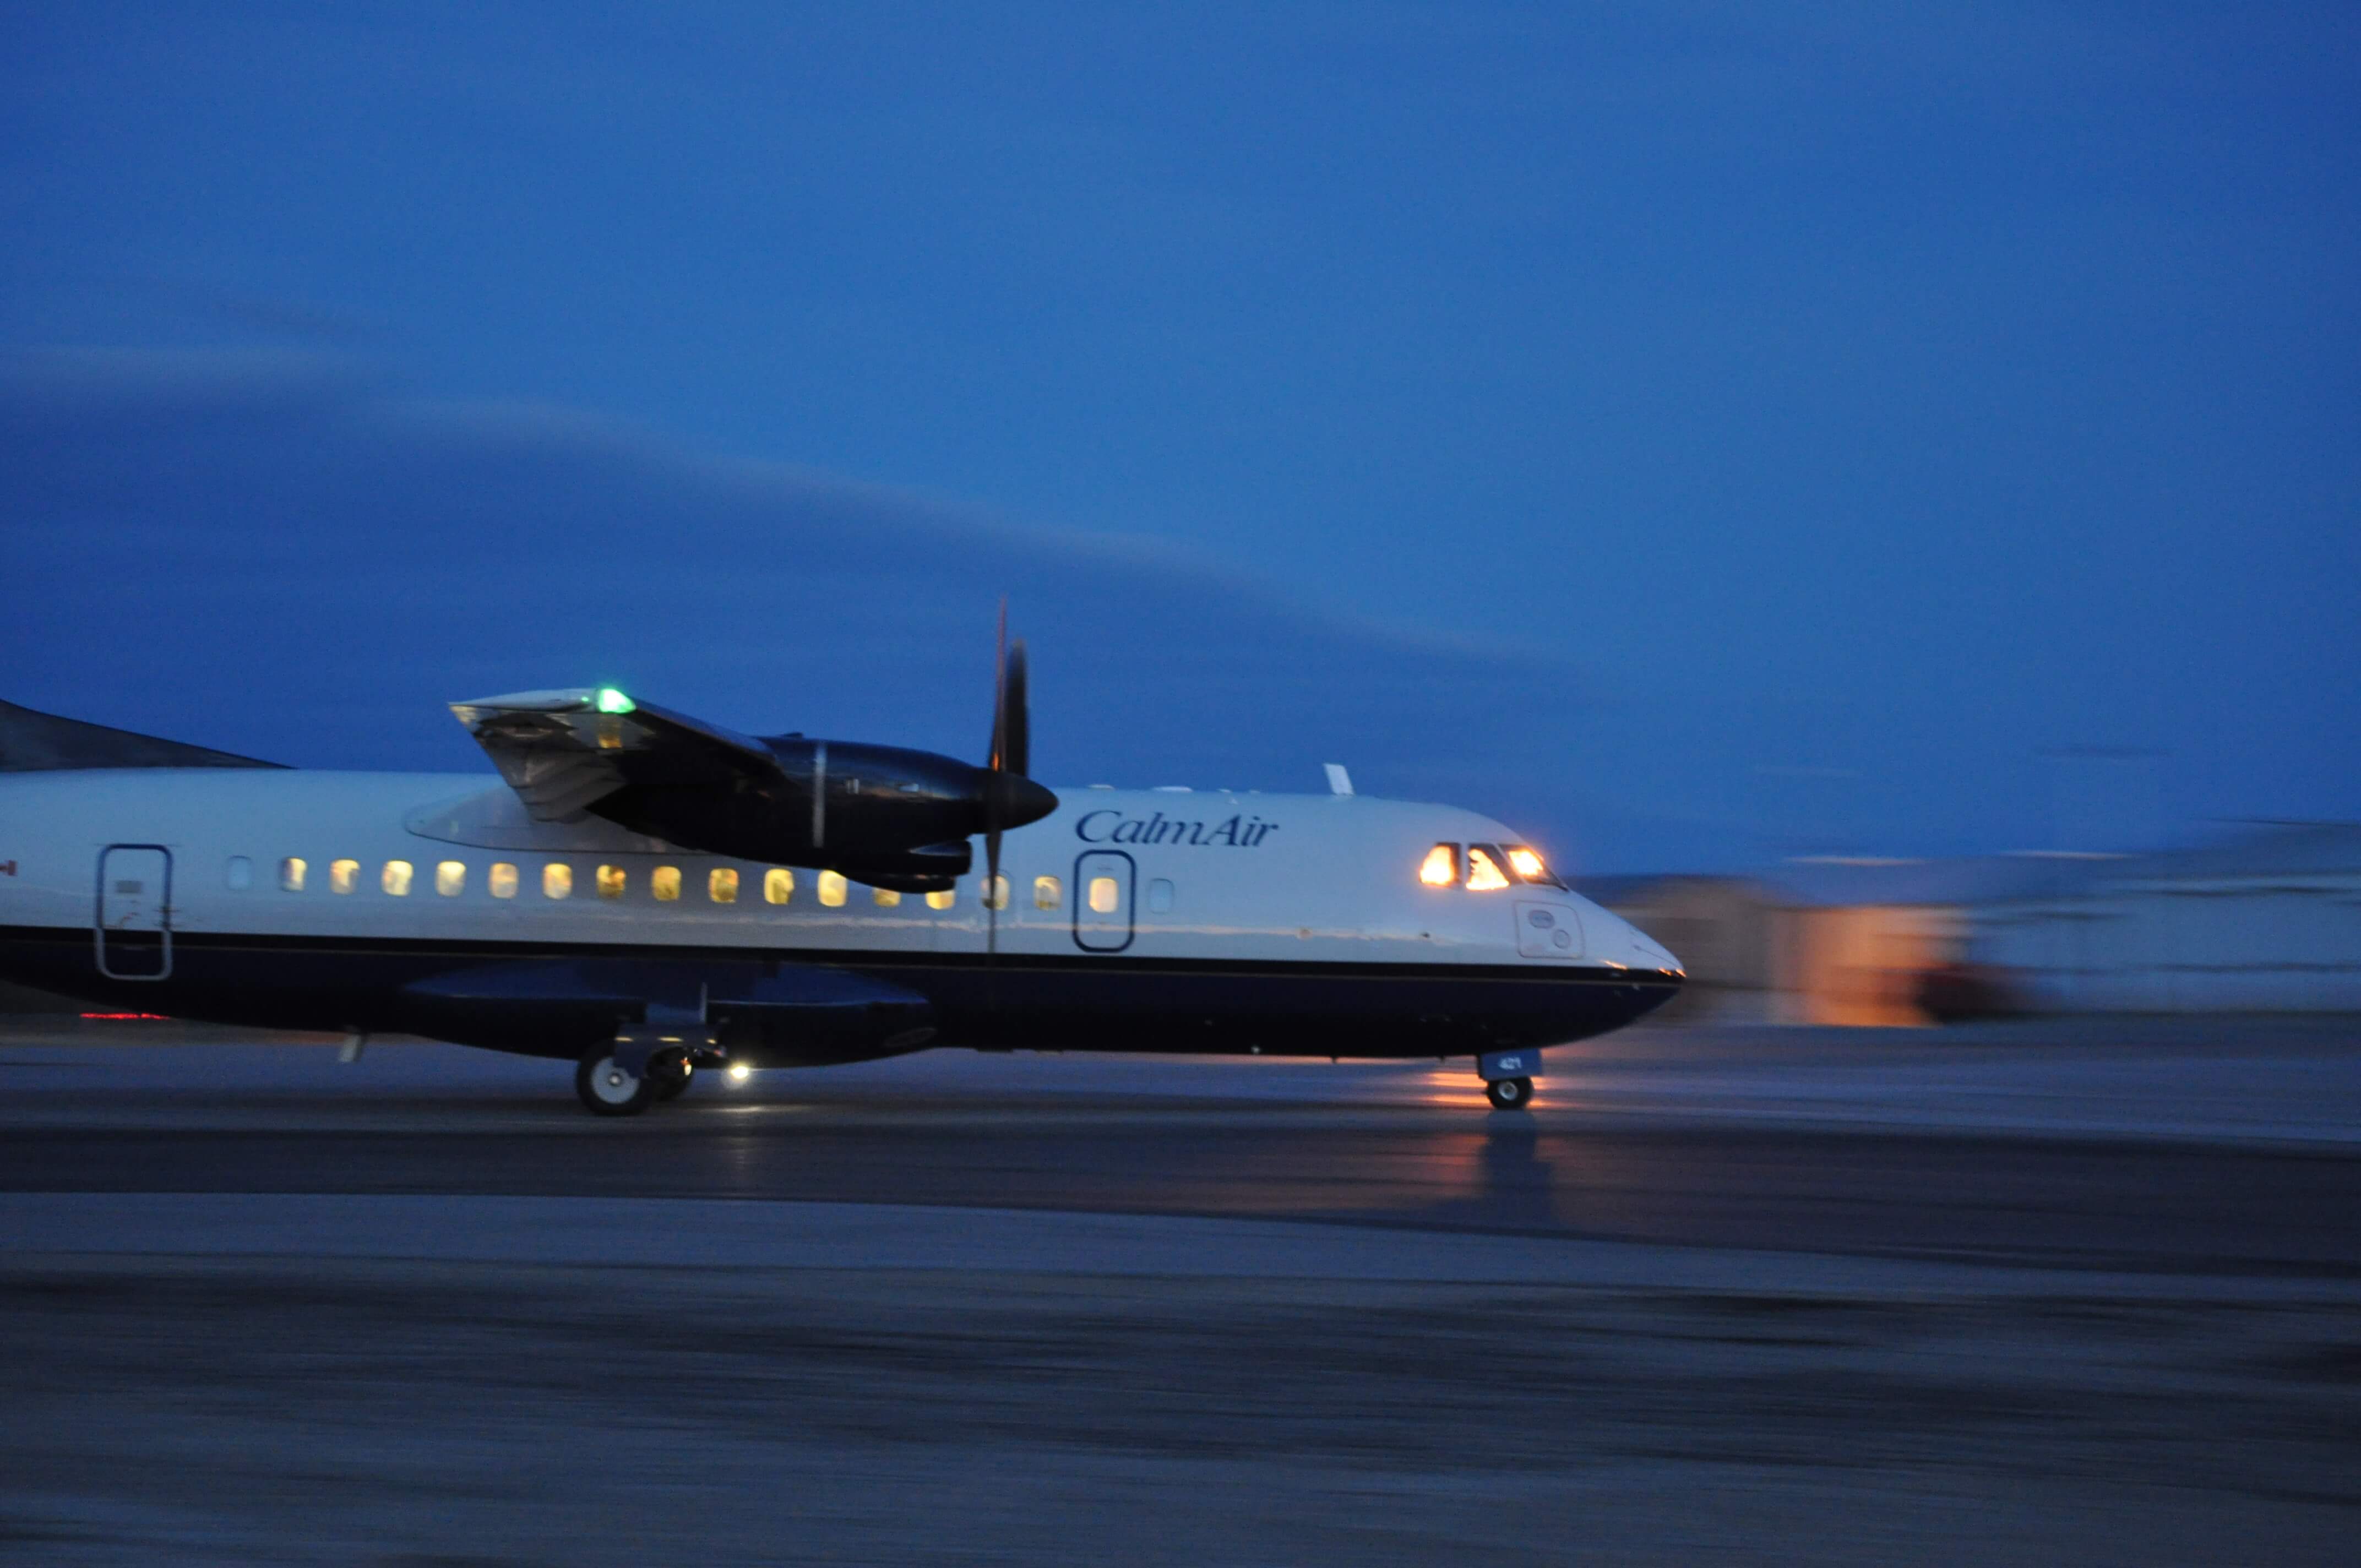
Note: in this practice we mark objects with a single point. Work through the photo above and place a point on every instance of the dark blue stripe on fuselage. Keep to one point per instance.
(1073, 1002)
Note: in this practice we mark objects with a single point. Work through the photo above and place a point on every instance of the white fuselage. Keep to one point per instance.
(1199, 875)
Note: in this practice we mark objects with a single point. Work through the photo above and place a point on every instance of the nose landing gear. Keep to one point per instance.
(1509, 1078)
(1510, 1093)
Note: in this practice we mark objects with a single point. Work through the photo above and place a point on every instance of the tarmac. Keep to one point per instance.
(2031, 1292)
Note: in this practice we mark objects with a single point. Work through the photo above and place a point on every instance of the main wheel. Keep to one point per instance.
(670, 1070)
(607, 1089)
(1510, 1093)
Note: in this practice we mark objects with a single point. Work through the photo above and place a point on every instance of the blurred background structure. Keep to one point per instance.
(2268, 921)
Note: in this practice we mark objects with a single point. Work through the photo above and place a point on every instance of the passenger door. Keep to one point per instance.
(135, 912)
(1102, 896)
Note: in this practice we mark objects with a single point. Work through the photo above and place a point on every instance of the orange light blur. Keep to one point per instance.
(1483, 876)
(1524, 862)
(1441, 867)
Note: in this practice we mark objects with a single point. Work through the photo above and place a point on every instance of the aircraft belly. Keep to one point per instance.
(1366, 1009)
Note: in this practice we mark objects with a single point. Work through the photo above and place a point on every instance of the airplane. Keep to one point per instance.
(651, 896)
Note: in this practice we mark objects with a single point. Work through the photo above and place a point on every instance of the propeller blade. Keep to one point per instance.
(999, 691)
(1016, 717)
(992, 894)
(993, 805)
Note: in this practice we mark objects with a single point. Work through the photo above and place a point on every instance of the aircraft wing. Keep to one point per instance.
(562, 751)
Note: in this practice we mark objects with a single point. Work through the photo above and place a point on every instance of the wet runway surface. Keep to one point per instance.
(2042, 1294)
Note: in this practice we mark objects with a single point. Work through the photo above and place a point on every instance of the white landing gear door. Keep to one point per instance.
(135, 912)
(1548, 930)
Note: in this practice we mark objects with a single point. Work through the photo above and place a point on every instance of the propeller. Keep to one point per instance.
(1010, 796)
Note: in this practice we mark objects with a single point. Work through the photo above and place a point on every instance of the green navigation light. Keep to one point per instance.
(610, 700)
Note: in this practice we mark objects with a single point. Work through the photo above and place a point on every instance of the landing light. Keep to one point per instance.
(740, 1073)
(610, 700)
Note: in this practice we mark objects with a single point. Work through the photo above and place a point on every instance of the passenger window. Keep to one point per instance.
(502, 881)
(942, 900)
(885, 897)
(1441, 867)
(556, 881)
(290, 874)
(665, 882)
(395, 879)
(451, 878)
(241, 873)
(1484, 873)
(1104, 895)
(722, 886)
(778, 885)
(610, 882)
(343, 876)
(1047, 892)
(995, 892)
(1160, 898)
(831, 889)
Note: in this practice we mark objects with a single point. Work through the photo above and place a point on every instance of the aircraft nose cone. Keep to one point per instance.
(1018, 800)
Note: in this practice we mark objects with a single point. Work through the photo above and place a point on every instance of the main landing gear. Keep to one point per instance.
(611, 1089)
(670, 1071)
(1510, 1093)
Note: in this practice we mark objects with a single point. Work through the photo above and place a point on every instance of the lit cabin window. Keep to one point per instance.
(1104, 895)
(665, 882)
(884, 897)
(291, 873)
(610, 882)
(1441, 867)
(501, 881)
(343, 876)
(241, 873)
(995, 892)
(1484, 874)
(1160, 898)
(395, 878)
(778, 885)
(556, 881)
(451, 878)
(942, 900)
(1047, 893)
(721, 885)
(831, 889)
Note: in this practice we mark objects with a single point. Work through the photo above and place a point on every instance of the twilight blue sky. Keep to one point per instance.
(1700, 432)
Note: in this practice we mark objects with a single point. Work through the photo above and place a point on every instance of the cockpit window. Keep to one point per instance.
(1529, 867)
(1441, 867)
(1484, 873)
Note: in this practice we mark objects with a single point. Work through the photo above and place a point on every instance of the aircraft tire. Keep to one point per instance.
(1510, 1093)
(607, 1089)
(670, 1072)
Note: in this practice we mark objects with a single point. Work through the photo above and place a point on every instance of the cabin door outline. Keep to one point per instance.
(133, 916)
(1103, 930)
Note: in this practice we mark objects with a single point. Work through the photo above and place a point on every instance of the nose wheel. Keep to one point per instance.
(1510, 1093)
